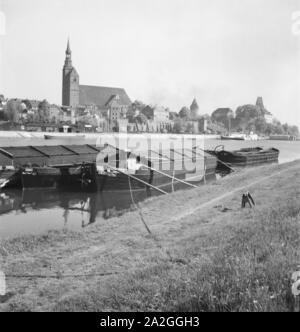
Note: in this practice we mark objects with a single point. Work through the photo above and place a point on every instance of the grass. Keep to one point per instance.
(239, 260)
(251, 271)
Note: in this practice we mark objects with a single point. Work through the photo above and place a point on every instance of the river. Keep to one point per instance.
(35, 212)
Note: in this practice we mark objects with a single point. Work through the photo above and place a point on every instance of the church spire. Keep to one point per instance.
(68, 50)
(68, 60)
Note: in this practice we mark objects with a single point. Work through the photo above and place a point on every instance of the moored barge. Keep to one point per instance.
(245, 157)
(89, 168)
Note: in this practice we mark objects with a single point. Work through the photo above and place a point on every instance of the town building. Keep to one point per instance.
(158, 119)
(194, 108)
(55, 113)
(114, 101)
(267, 115)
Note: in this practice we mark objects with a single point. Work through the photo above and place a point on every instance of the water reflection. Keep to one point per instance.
(95, 205)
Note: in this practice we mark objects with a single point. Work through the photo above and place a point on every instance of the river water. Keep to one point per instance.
(35, 212)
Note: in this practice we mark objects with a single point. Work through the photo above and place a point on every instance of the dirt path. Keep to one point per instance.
(231, 192)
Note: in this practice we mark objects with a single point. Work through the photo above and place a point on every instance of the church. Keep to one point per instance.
(114, 101)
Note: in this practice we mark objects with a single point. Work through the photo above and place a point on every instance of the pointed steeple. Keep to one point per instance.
(194, 109)
(194, 106)
(68, 60)
(68, 50)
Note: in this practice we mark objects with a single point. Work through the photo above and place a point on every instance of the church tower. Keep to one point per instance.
(70, 81)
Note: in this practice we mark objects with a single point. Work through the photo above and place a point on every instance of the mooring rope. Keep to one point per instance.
(145, 224)
(137, 207)
(57, 276)
(222, 162)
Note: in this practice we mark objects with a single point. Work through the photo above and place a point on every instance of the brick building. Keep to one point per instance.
(114, 101)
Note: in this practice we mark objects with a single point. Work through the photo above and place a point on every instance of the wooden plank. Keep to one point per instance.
(181, 154)
(172, 177)
(93, 147)
(70, 150)
(138, 180)
(161, 155)
(38, 150)
(6, 153)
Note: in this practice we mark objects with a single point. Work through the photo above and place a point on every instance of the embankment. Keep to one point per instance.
(203, 252)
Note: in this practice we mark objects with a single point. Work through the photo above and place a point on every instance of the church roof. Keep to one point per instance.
(100, 95)
(194, 106)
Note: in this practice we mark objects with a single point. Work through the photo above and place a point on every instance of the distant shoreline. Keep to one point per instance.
(40, 135)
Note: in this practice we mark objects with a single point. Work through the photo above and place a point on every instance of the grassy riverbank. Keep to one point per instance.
(204, 253)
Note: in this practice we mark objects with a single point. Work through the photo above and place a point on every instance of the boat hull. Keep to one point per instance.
(138, 181)
(229, 138)
(10, 179)
(246, 157)
(46, 178)
(70, 136)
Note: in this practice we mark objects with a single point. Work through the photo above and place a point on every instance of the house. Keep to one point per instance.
(266, 114)
(67, 115)
(158, 118)
(54, 113)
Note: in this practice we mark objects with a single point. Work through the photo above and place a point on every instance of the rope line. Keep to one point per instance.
(137, 208)
(57, 276)
(145, 224)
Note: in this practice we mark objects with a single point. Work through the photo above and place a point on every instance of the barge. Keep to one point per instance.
(40, 177)
(88, 168)
(66, 136)
(245, 157)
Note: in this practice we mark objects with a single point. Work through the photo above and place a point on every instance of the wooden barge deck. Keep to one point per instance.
(34, 165)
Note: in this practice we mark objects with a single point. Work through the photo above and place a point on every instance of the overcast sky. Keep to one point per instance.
(223, 52)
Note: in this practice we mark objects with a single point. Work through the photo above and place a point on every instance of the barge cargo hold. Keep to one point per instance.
(40, 177)
(90, 168)
(16, 159)
(246, 157)
(67, 136)
(282, 138)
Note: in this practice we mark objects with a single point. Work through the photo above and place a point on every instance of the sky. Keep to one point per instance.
(224, 53)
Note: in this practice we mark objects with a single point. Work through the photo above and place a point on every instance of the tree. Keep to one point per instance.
(247, 112)
(173, 116)
(138, 105)
(278, 130)
(44, 111)
(293, 130)
(28, 104)
(260, 125)
(179, 126)
(184, 113)
(13, 109)
(141, 118)
(131, 113)
(216, 128)
(224, 116)
(148, 111)
(190, 129)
